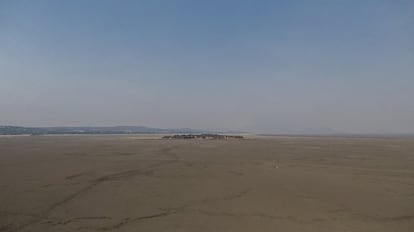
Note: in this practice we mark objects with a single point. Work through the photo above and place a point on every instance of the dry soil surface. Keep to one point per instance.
(134, 183)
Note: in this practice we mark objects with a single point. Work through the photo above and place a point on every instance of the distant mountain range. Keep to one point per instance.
(17, 130)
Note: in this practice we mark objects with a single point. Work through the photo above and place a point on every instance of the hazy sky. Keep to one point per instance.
(262, 66)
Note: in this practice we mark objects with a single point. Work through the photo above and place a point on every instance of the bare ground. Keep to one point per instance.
(124, 183)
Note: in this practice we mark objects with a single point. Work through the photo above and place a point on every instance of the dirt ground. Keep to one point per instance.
(141, 183)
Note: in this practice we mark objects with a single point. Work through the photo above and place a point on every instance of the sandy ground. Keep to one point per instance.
(133, 183)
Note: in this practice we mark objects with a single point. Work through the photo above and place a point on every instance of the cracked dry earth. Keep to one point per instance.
(124, 183)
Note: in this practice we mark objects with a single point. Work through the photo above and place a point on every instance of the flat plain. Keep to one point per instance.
(143, 183)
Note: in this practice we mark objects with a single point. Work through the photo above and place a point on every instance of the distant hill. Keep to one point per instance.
(17, 130)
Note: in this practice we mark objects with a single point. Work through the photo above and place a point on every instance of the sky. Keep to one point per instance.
(257, 66)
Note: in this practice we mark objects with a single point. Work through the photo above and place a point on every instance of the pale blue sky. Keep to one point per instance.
(260, 66)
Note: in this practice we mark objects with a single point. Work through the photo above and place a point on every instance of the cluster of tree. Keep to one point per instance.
(202, 136)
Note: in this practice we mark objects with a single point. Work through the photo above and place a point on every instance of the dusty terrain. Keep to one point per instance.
(138, 183)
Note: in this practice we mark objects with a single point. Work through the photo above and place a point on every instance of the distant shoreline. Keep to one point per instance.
(341, 135)
(142, 130)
